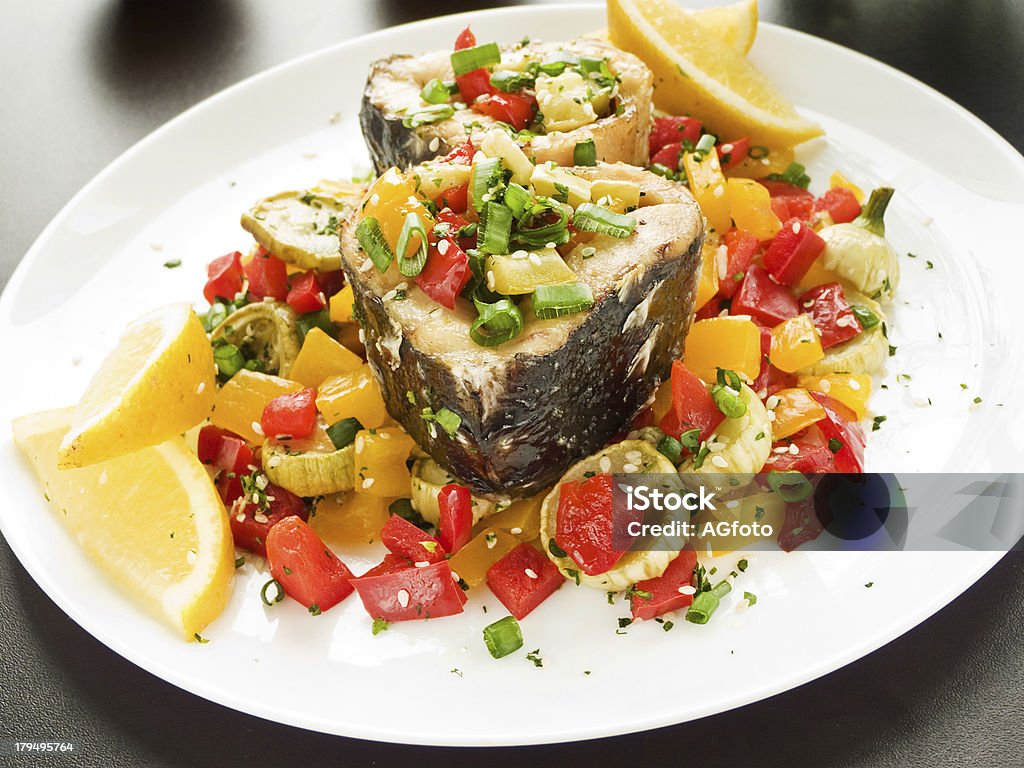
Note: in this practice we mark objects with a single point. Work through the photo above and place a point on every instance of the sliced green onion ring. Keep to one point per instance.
(518, 198)
(555, 232)
(594, 218)
(371, 239)
(469, 59)
(432, 114)
(343, 433)
(498, 322)
(560, 300)
(503, 637)
(509, 82)
(585, 153)
(278, 595)
(486, 181)
(437, 91)
(497, 226)
(791, 486)
(410, 266)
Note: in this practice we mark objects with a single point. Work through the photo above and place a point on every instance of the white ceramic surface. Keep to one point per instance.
(178, 194)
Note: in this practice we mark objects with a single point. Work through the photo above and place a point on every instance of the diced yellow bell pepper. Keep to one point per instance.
(350, 518)
(758, 167)
(341, 305)
(321, 357)
(751, 208)
(851, 389)
(380, 456)
(767, 509)
(390, 199)
(352, 395)
(708, 285)
(621, 196)
(837, 179)
(708, 187)
(522, 519)
(547, 179)
(796, 410)
(817, 275)
(662, 401)
(795, 344)
(484, 550)
(723, 342)
(240, 402)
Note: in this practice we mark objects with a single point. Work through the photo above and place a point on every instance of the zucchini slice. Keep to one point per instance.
(263, 331)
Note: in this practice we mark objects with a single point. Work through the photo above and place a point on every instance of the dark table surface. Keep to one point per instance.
(82, 80)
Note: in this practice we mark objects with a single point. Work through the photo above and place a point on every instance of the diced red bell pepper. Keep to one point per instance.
(792, 252)
(404, 539)
(231, 455)
(831, 314)
(455, 519)
(840, 203)
(224, 277)
(669, 130)
(461, 155)
(812, 456)
(763, 299)
(474, 84)
(308, 571)
(644, 419)
(516, 109)
(583, 527)
(523, 579)
(800, 526)
(692, 406)
(713, 308)
(664, 590)
(446, 273)
(292, 415)
(784, 189)
(769, 378)
(306, 294)
(267, 276)
(840, 424)
(741, 247)
(668, 155)
(411, 593)
(466, 39)
(251, 533)
(390, 564)
(457, 222)
(787, 207)
(732, 153)
(456, 198)
(331, 282)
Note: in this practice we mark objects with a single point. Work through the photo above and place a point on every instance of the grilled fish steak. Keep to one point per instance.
(394, 84)
(560, 389)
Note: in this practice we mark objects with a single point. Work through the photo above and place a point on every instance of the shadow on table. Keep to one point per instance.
(874, 710)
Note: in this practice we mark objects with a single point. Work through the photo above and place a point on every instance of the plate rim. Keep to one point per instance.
(822, 667)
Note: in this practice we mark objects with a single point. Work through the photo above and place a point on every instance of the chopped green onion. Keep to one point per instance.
(671, 448)
(594, 218)
(758, 152)
(503, 637)
(512, 81)
(432, 114)
(410, 266)
(750, 597)
(229, 360)
(560, 300)
(791, 486)
(872, 218)
(371, 239)
(487, 179)
(794, 174)
(379, 625)
(518, 198)
(557, 551)
(343, 433)
(585, 153)
(706, 603)
(497, 323)
(728, 398)
(497, 226)
(704, 146)
(277, 597)
(867, 318)
(438, 92)
(469, 59)
(661, 170)
(555, 231)
(690, 440)
(320, 319)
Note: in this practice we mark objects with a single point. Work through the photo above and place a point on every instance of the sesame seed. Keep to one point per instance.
(809, 303)
(854, 384)
(732, 504)
(719, 461)
(520, 254)
(434, 144)
(421, 564)
(367, 482)
(781, 449)
(772, 402)
(771, 415)
(716, 446)
(490, 279)
(549, 245)
(455, 576)
(530, 573)
(719, 191)
(259, 517)
(515, 531)
(629, 467)
(201, 387)
(240, 517)
(262, 482)
(535, 259)
(794, 449)
(274, 462)
(366, 266)
(796, 228)
(374, 199)
(634, 456)
(403, 598)
(588, 251)
(390, 295)
(726, 149)
(257, 428)
(605, 464)
(442, 247)
(687, 589)
(825, 385)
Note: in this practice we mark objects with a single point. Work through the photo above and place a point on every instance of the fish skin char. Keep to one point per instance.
(621, 138)
(519, 433)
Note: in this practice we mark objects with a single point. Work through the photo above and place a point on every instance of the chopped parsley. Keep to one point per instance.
(534, 656)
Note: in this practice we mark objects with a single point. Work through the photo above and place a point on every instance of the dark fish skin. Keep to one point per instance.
(390, 143)
(553, 409)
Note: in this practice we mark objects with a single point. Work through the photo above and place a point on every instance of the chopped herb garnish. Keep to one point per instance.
(379, 625)
(534, 656)
(172, 264)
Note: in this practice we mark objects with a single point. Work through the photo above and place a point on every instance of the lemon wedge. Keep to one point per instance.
(735, 24)
(696, 73)
(157, 384)
(152, 520)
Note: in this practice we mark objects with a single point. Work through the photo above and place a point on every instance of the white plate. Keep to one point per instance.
(178, 194)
